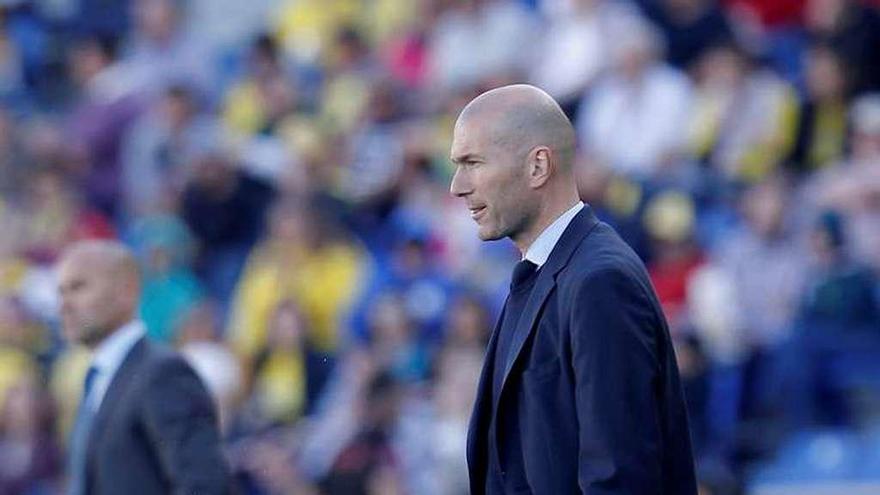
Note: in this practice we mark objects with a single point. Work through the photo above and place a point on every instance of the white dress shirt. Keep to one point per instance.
(108, 357)
(540, 250)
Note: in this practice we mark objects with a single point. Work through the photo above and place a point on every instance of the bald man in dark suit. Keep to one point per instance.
(146, 424)
(580, 390)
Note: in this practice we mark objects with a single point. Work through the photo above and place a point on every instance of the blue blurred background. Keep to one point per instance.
(281, 170)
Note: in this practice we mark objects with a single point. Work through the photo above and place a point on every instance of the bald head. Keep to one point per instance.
(514, 149)
(108, 256)
(521, 117)
(99, 284)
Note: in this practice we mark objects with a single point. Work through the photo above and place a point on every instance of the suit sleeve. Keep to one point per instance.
(615, 363)
(182, 427)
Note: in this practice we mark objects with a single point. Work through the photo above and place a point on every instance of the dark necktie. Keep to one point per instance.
(520, 286)
(521, 273)
(521, 282)
(79, 439)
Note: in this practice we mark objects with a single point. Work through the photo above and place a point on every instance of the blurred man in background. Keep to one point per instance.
(146, 423)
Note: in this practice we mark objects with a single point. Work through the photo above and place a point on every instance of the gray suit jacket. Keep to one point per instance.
(156, 430)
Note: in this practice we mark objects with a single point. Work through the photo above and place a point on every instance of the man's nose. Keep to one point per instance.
(64, 304)
(458, 187)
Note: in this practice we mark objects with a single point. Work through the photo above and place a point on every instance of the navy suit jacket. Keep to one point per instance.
(155, 431)
(591, 389)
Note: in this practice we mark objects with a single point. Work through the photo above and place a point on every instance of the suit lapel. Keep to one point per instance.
(484, 393)
(581, 225)
(124, 374)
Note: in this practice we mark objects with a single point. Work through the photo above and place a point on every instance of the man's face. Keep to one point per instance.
(492, 180)
(90, 301)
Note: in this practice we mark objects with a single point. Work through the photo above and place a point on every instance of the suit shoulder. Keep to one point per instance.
(162, 360)
(600, 254)
(168, 374)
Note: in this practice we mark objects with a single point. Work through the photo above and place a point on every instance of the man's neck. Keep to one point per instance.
(97, 344)
(545, 218)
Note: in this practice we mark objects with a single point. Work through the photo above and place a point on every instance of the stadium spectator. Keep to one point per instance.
(574, 49)
(690, 27)
(32, 458)
(157, 150)
(109, 101)
(170, 288)
(302, 259)
(631, 121)
(822, 122)
(743, 119)
(851, 27)
(224, 207)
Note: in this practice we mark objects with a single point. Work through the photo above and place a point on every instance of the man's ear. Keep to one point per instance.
(540, 167)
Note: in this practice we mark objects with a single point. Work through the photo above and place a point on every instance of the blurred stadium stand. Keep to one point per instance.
(281, 168)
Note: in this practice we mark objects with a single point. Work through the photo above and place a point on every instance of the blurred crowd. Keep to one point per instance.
(281, 169)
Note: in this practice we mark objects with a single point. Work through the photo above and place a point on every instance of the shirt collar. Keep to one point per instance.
(112, 351)
(540, 250)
